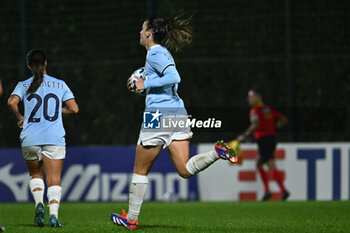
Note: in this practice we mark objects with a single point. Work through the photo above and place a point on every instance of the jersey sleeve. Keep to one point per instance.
(67, 93)
(253, 115)
(171, 76)
(160, 61)
(19, 91)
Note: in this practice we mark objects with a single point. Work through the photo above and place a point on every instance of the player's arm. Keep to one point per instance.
(164, 65)
(13, 106)
(254, 123)
(250, 130)
(281, 122)
(71, 107)
(170, 77)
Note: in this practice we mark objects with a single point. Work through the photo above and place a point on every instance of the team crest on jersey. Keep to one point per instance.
(267, 113)
(266, 110)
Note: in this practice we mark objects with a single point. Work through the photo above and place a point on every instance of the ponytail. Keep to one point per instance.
(172, 33)
(36, 61)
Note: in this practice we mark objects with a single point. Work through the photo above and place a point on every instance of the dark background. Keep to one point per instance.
(297, 51)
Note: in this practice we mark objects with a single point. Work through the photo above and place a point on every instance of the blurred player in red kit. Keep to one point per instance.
(264, 120)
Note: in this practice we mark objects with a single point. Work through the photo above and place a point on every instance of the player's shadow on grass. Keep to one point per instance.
(262, 229)
(163, 226)
(183, 228)
(29, 225)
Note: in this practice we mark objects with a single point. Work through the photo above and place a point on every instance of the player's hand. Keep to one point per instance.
(128, 85)
(140, 83)
(20, 122)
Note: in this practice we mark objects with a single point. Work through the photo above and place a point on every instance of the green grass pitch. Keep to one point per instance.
(183, 217)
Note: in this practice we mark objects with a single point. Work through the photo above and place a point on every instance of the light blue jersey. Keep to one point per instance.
(162, 79)
(43, 112)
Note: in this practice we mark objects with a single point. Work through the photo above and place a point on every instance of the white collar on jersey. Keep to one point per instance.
(153, 46)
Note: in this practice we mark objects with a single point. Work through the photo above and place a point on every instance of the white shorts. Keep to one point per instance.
(162, 138)
(50, 151)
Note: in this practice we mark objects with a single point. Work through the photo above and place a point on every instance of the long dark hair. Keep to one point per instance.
(36, 61)
(172, 33)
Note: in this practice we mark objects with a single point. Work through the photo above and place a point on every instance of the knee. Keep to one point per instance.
(259, 166)
(185, 174)
(52, 181)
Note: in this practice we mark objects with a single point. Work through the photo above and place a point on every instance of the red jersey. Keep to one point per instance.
(266, 116)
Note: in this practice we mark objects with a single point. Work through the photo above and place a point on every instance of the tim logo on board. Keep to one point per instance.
(152, 120)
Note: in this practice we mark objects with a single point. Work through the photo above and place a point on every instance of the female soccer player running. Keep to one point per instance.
(43, 136)
(157, 36)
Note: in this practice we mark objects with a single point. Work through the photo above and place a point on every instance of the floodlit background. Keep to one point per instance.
(297, 51)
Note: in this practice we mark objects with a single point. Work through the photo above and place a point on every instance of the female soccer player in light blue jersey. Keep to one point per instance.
(161, 84)
(45, 98)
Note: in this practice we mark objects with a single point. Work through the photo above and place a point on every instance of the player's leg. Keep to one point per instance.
(144, 159)
(264, 156)
(180, 155)
(271, 164)
(53, 157)
(54, 190)
(2, 228)
(265, 179)
(276, 175)
(36, 183)
(187, 167)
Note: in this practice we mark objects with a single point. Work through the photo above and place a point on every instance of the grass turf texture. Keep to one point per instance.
(183, 217)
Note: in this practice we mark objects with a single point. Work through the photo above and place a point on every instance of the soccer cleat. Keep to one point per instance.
(53, 221)
(39, 218)
(2, 228)
(266, 196)
(121, 220)
(225, 152)
(285, 195)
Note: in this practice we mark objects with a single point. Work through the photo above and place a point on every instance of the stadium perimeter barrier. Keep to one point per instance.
(312, 171)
